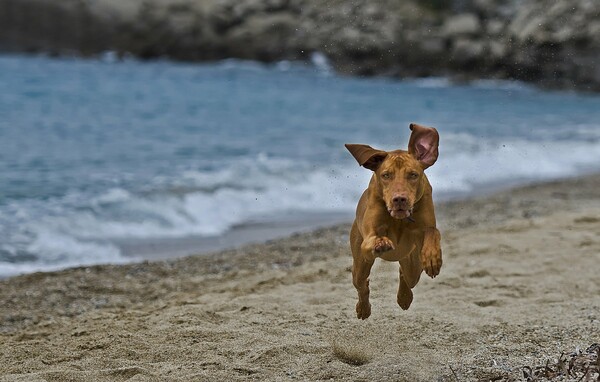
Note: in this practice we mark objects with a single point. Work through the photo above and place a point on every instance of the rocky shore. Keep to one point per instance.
(552, 43)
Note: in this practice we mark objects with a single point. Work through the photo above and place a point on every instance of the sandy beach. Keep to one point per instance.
(520, 285)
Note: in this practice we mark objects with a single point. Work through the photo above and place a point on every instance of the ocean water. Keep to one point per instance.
(95, 154)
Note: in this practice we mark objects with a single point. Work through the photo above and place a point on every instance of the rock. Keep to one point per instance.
(526, 25)
(65, 27)
(465, 50)
(554, 42)
(462, 24)
(485, 8)
(494, 27)
(433, 46)
(593, 30)
(497, 50)
(265, 37)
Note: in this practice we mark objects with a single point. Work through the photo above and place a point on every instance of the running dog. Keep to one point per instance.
(395, 218)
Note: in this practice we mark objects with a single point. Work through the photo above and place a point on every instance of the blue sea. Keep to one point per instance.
(98, 157)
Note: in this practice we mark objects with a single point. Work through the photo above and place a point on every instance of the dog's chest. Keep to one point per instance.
(399, 253)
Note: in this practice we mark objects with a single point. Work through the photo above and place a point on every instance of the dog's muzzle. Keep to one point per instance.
(400, 206)
(400, 213)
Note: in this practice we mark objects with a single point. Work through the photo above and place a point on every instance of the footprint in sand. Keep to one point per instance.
(488, 303)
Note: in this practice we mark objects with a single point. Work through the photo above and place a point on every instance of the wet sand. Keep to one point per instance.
(520, 284)
(253, 232)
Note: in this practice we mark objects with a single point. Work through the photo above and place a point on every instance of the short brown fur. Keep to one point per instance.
(395, 218)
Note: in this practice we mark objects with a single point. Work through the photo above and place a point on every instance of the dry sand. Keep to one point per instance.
(520, 284)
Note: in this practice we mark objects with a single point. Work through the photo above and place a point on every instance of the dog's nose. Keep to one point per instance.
(399, 199)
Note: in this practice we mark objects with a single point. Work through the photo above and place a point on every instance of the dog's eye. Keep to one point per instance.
(386, 175)
(413, 175)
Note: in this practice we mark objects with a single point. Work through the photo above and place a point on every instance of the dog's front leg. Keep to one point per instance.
(375, 231)
(361, 268)
(431, 248)
(377, 243)
(431, 252)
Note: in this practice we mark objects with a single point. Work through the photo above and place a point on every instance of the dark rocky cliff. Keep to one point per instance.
(551, 42)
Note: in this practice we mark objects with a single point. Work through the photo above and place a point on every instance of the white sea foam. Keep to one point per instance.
(219, 201)
(502, 85)
(431, 82)
(109, 57)
(489, 84)
(214, 202)
(321, 62)
(58, 251)
(475, 164)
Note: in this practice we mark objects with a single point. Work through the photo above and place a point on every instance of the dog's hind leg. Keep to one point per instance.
(405, 295)
(410, 268)
(361, 269)
(410, 261)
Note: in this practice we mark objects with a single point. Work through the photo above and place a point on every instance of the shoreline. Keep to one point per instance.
(518, 287)
(268, 229)
(240, 235)
(280, 227)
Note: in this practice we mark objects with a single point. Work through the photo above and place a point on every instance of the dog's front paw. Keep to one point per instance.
(431, 260)
(382, 244)
(363, 310)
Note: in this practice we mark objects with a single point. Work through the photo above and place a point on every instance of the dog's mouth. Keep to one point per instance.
(400, 213)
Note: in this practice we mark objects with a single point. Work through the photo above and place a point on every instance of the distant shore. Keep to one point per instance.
(518, 287)
(550, 43)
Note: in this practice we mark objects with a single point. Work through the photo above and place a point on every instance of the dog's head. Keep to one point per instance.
(398, 175)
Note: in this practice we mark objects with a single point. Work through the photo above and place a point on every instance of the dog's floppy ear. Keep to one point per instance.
(423, 144)
(366, 156)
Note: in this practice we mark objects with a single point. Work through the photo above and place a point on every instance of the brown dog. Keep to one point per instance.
(395, 219)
